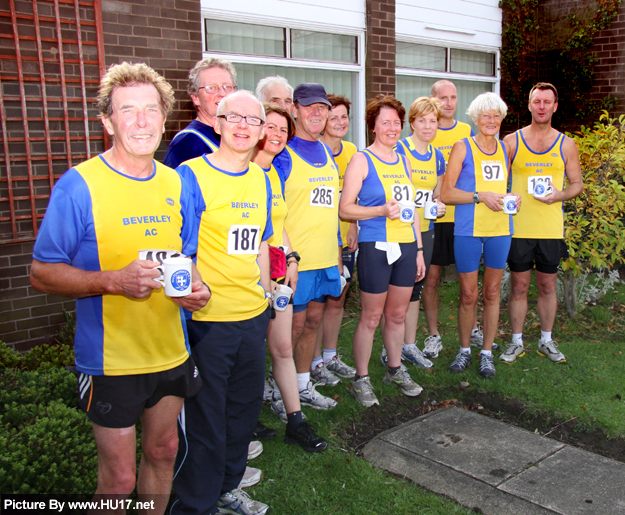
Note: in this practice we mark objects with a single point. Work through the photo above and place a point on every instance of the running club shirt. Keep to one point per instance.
(99, 219)
(234, 212)
(342, 160)
(278, 207)
(426, 170)
(444, 141)
(311, 192)
(529, 170)
(385, 181)
(194, 140)
(482, 172)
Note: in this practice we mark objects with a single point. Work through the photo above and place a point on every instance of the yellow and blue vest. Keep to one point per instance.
(342, 160)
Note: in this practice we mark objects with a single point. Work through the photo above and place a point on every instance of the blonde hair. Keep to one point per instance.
(422, 106)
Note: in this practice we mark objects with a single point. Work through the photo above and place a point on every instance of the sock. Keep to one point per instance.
(465, 351)
(357, 377)
(294, 420)
(486, 352)
(393, 370)
(408, 344)
(545, 336)
(517, 338)
(328, 355)
(302, 381)
(315, 363)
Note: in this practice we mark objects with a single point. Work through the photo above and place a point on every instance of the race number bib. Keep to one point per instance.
(423, 196)
(244, 239)
(401, 192)
(538, 185)
(322, 196)
(493, 171)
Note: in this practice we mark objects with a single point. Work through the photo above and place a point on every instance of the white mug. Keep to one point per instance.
(430, 210)
(509, 205)
(406, 211)
(176, 276)
(281, 296)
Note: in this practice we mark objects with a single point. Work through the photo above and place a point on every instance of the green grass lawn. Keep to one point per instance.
(589, 389)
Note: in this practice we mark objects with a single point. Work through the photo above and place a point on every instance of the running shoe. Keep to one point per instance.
(311, 397)
(412, 354)
(262, 432)
(515, 350)
(323, 376)
(487, 366)
(549, 349)
(384, 361)
(461, 362)
(432, 346)
(305, 436)
(477, 340)
(251, 477)
(267, 391)
(277, 407)
(337, 367)
(237, 502)
(404, 381)
(254, 449)
(363, 392)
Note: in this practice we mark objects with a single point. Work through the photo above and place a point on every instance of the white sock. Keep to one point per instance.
(328, 355)
(517, 338)
(465, 351)
(302, 381)
(315, 363)
(545, 336)
(486, 352)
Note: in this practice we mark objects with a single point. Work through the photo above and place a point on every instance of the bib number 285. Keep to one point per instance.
(244, 239)
(322, 196)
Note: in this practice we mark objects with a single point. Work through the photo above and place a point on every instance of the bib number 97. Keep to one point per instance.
(493, 171)
(244, 239)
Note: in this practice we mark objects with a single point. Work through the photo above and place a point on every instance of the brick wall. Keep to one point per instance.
(165, 34)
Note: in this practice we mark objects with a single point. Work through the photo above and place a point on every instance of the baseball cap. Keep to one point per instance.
(309, 93)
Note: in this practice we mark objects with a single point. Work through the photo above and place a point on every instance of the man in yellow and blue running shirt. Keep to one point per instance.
(541, 158)
(311, 193)
(210, 80)
(233, 205)
(131, 344)
(449, 132)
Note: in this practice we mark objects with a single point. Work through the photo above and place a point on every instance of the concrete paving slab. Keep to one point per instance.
(573, 482)
(479, 446)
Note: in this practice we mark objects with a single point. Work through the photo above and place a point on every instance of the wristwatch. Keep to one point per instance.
(476, 197)
(294, 255)
(268, 295)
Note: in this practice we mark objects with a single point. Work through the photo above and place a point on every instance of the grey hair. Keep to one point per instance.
(210, 62)
(267, 81)
(233, 97)
(487, 102)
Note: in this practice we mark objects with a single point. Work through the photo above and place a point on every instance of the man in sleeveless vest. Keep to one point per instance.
(131, 344)
(210, 81)
(449, 131)
(311, 192)
(232, 198)
(541, 159)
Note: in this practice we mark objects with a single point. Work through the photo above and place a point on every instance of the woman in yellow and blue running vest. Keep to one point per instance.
(428, 167)
(378, 192)
(476, 181)
(280, 128)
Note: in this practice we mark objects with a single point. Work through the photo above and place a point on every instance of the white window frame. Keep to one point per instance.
(357, 108)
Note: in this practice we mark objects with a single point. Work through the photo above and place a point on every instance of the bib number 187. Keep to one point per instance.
(244, 239)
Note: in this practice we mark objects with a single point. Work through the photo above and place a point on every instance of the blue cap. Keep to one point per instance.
(309, 93)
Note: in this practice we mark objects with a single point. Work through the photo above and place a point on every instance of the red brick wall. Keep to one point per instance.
(380, 45)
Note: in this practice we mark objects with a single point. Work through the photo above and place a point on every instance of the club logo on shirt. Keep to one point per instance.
(180, 280)
(169, 201)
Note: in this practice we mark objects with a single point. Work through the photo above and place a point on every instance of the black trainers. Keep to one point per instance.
(262, 432)
(305, 436)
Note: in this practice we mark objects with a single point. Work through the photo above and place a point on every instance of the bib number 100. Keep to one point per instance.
(244, 239)
(322, 196)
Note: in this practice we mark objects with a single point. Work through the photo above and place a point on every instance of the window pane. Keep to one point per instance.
(411, 88)
(337, 82)
(244, 38)
(423, 57)
(476, 63)
(322, 46)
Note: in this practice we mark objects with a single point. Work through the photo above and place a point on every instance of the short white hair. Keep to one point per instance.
(263, 84)
(487, 102)
(233, 97)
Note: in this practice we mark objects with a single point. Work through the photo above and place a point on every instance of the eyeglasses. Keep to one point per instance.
(236, 118)
(214, 88)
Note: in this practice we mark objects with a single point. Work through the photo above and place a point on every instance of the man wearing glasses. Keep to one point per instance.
(210, 80)
(232, 199)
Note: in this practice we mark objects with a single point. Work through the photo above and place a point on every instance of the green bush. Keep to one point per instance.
(27, 387)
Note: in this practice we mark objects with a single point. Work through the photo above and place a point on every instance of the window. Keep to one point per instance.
(297, 54)
(419, 66)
